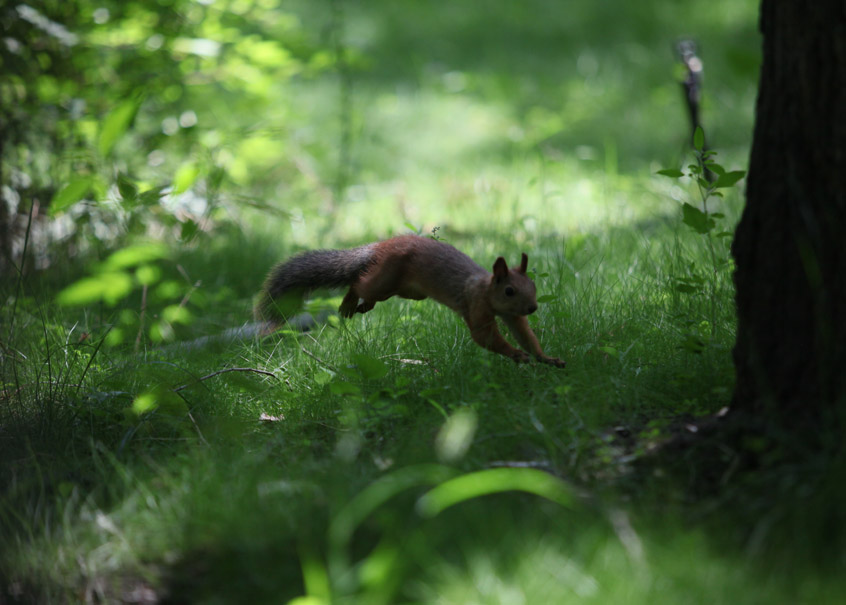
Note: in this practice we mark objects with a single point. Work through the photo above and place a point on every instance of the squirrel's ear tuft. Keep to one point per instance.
(524, 263)
(500, 268)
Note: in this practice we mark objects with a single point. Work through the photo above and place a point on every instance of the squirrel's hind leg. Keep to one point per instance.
(350, 303)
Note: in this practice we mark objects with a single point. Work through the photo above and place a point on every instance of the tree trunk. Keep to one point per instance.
(789, 248)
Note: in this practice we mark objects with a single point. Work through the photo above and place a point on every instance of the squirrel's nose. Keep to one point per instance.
(531, 309)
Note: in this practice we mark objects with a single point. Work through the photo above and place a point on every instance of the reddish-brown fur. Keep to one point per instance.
(415, 267)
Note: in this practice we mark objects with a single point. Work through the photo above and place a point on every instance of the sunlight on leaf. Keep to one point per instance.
(456, 435)
(115, 337)
(161, 331)
(148, 274)
(379, 492)
(108, 287)
(185, 177)
(82, 292)
(116, 124)
(308, 600)
(135, 255)
(70, 194)
(177, 314)
(380, 565)
(145, 402)
(492, 481)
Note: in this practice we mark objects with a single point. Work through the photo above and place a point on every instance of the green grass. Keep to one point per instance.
(535, 130)
(202, 500)
(202, 497)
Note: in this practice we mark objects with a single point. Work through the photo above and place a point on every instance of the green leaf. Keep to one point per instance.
(375, 495)
(693, 344)
(340, 387)
(491, 481)
(144, 403)
(185, 177)
(135, 255)
(147, 275)
(152, 196)
(322, 377)
(82, 292)
(370, 367)
(188, 231)
(715, 168)
(128, 190)
(671, 172)
(696, 219)
(456, 435)
(115, 125)
(729, 178)
(547, 298)
(115, 337)
(70, 194)
(699, 138)
(177, 314)
(108, 287)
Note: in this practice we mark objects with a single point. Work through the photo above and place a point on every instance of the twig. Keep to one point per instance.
(91, 359)
(213, 374)
(318, 360)
(203, 439)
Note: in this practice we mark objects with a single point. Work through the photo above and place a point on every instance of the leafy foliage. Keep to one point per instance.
(709, 176)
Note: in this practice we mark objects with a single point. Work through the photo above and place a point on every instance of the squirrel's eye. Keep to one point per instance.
(509, 291)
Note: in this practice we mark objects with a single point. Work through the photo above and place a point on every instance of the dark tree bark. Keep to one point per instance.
(790, 246)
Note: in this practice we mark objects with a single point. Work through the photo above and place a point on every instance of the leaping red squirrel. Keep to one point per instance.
(414, 267)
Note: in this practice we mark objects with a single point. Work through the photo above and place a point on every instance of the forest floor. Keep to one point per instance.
(148, 455)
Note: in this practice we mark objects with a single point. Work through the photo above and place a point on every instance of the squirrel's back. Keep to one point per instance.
(410, 266)
(432, 268)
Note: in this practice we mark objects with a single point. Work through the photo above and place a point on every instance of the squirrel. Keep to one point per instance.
(413, 267)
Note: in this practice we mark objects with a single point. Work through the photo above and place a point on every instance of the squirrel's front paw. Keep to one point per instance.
(553, 361)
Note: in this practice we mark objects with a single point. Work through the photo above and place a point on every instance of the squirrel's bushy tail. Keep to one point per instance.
(288, 281)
